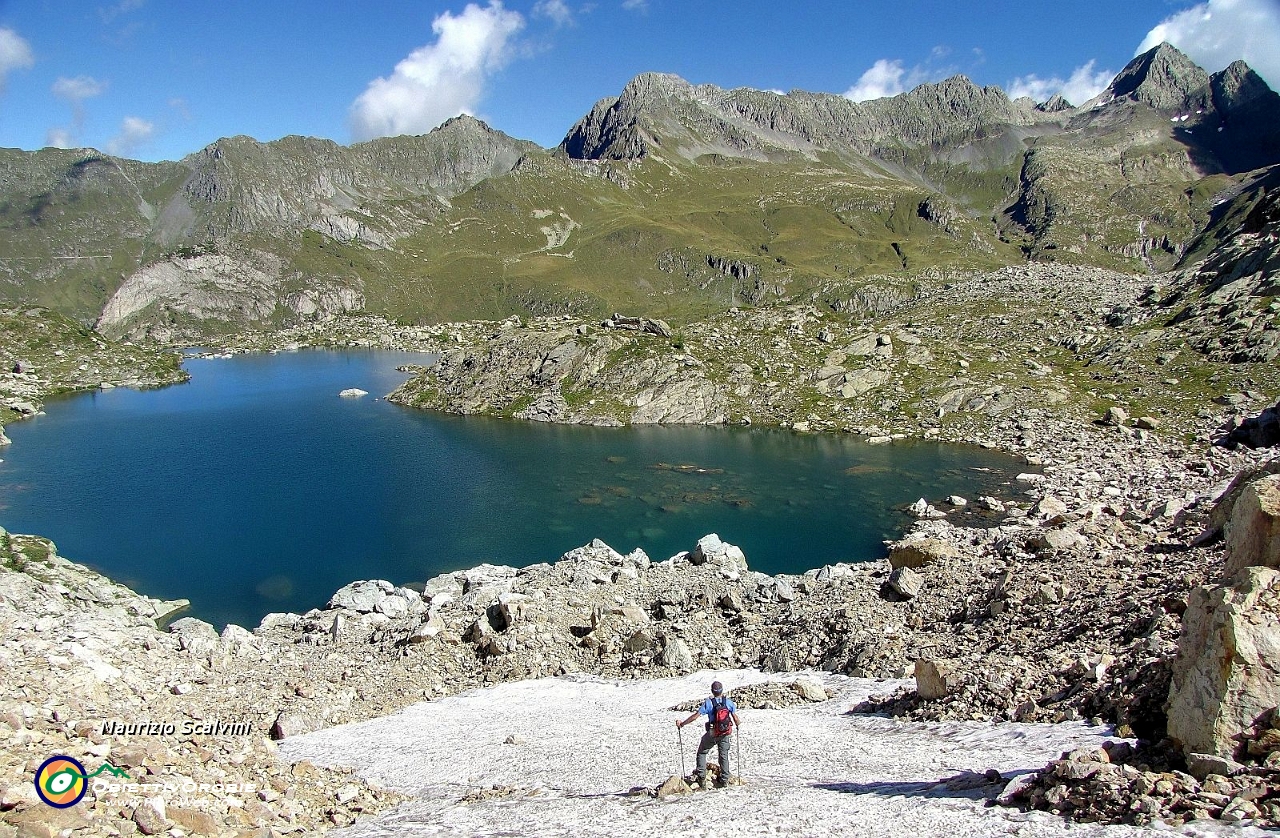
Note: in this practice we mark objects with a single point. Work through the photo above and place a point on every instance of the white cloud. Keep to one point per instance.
(556, 10)
(15, 54)
(76, 90)
(1083, 84)
(883, 79)
(889, 78)
(134, 132)
(59, 138)
(1218, 32)
(439, 80)
(636, 5)
(110, 13)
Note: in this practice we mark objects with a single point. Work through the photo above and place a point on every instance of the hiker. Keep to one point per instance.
(722, 720)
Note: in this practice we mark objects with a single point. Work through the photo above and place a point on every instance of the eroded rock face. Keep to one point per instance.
(213, 288)
(687, 401)
(554, 374)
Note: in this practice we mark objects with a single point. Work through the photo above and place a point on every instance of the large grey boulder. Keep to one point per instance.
(920, 552)
(1253, 531)
(1058, 540)
(362, 597)
(596, 551)
(293, 722)
(675, 654)
(710, 548)
(1115, 416)
(1261, 431)
(638, 324)
(937, 678)
(195, 636)
(1226, 673)
(905, 582)
(862, 381)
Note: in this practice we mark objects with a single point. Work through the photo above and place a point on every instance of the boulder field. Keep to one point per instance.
(1103, 584)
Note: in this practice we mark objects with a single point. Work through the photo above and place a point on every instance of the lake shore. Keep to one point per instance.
(1070, 609)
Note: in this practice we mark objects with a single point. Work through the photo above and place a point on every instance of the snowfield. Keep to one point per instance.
(584, 743)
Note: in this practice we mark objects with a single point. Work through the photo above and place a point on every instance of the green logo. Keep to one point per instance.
(61, 781)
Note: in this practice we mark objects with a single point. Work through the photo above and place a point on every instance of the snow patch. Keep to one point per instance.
(586, 742)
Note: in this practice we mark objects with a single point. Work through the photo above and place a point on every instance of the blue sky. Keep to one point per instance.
(159, 79)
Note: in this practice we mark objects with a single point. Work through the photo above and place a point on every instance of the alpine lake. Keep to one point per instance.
(255, 488)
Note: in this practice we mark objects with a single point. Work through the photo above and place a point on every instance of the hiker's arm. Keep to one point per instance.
(736, 721)
(692, 716)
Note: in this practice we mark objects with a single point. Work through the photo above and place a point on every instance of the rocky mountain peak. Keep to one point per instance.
(957, 96)
(957, 85)
(463, 123)
(615, 127)
(1247, 134)
(647, 85)
(1054, 104)
(1238, 86)
(1164, 78)
(657, 110)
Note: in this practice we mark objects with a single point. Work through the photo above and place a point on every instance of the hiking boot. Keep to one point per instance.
(721, 782)
(700, 780)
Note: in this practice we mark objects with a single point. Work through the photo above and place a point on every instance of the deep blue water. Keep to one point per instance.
(255, 488)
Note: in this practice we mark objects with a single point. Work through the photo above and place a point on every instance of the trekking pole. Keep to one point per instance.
(680, 740)
(737, 745)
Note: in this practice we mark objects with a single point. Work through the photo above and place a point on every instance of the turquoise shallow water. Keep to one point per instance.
(255, 488)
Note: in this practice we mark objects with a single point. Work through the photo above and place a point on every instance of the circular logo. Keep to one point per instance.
(60, 781)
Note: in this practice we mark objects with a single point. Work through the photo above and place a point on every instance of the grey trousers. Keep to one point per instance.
(709, 741)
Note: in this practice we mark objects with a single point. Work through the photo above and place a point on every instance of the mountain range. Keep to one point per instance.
(670, 199)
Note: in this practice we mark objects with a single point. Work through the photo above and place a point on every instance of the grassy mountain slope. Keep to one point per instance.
(673, 240)
(671, 199)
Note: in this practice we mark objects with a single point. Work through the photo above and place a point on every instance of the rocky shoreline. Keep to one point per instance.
(1069, 609)
(47, 354)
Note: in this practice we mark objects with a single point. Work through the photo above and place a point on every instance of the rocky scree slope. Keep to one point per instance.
(1226, 304)
(1070, 607)
(97, 641)
(1220, 698)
